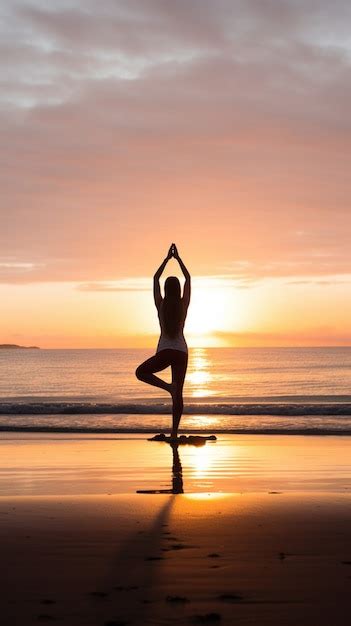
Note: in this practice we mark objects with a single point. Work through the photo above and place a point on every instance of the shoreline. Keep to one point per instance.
(100, 463)
(312, 432)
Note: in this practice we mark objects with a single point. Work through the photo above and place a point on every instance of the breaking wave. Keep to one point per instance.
(227, 408)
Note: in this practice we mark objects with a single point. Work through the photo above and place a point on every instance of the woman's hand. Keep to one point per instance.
(175, 251)
(186, 295)
(170, 252)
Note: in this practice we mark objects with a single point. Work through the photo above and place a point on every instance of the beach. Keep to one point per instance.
(101, 527)
(246, 530)
(175, 338)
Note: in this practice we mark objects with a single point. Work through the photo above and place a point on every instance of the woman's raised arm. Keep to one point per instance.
(186, 274)
(157, 276)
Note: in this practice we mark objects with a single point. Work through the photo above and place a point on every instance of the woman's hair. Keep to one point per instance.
(172, 306)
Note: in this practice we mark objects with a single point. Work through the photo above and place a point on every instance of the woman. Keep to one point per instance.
(171, 349)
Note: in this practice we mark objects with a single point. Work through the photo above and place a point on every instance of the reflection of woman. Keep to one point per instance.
(177, 475)
(177, 471)
(171, 349)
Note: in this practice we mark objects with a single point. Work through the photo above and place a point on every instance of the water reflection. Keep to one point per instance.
(199, 377)
(177, 472)
(201, 461)
(177, 475)
(199, 458)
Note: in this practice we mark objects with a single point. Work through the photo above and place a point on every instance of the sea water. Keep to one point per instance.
(305, 390)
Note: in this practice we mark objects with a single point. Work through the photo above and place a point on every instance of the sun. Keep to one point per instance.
(217, 309)
(207, 312)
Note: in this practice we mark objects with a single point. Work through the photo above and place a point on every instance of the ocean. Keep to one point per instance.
(238, 390)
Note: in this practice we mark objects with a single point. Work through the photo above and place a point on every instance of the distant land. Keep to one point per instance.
(14, 346)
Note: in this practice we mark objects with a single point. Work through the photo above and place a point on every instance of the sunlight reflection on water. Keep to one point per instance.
(72, 464)
(199, 376)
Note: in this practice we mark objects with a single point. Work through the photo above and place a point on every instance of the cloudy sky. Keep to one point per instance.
(222, 125)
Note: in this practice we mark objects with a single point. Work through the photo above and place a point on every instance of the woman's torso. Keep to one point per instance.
(174, 343)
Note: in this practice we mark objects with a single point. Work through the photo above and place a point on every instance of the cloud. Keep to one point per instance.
(215, 282)
(332, 282)
(145, 284)
(117, 286)
(323, 336)
(224, 126)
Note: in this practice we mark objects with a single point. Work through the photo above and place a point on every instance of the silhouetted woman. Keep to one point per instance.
(171, 349)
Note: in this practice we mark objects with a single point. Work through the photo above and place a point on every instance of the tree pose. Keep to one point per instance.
(172, 349)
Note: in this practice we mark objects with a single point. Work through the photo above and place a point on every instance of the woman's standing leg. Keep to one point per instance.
(158, 362)
(179, 365)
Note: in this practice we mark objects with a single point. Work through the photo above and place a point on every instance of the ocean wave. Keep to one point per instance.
(84, 408)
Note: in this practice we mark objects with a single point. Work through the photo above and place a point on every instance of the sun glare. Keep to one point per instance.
(207, 312)
(201, 461)
(199, 375)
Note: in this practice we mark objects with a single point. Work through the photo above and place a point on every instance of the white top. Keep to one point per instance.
(171, 343)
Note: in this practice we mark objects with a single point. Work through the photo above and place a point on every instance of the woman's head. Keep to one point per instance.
(172, 306)
(172, 287)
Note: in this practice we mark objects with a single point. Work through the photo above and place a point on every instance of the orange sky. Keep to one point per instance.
(221, 126)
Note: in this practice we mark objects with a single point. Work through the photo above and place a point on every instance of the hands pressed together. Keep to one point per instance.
(173, 252)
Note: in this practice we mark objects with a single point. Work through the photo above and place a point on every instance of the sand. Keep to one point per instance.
(264, 556)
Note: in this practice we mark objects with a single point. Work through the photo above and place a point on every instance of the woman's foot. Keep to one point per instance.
(160, 437)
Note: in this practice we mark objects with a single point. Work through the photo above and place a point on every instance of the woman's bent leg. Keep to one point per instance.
(179, 365)
(156, 363)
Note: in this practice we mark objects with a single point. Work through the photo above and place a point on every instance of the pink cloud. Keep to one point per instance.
(224, 127)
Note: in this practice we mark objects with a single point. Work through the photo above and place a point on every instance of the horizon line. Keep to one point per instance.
(209, 347)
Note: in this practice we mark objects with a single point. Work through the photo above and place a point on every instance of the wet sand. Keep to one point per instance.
(263, 555)
(71, 464)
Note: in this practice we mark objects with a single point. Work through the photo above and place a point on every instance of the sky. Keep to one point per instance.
(222, 125)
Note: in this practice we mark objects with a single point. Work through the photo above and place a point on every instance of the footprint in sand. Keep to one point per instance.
(208, 618)
(230, 597)
(98, 594)
(171, 538)
(177, 599)
(47, 601)
(176, 546)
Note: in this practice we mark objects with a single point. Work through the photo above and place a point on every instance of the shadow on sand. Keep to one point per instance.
(134, 569)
